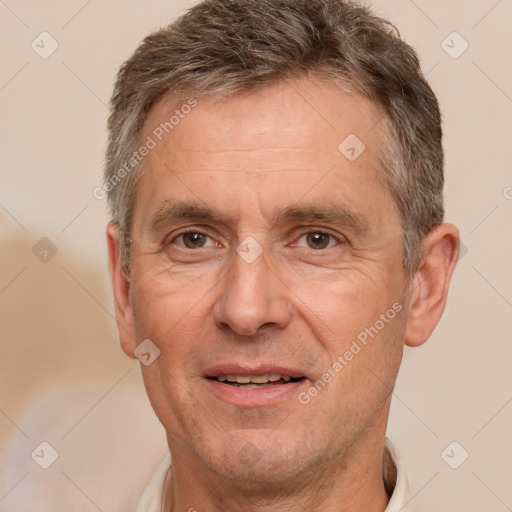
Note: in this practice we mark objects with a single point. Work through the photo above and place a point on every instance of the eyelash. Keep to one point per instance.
(169, 241)
(337, 238)
(332, 236)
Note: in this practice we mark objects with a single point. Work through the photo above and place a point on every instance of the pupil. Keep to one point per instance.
(193, 240)
(318, 240)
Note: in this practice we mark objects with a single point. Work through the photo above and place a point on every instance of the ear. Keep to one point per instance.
(429, 287)
(122, 292)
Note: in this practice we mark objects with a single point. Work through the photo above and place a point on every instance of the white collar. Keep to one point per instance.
(399, 501)
(151, 500)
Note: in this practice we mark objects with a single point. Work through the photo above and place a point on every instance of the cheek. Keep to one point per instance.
(162, 297)
(365, 358)
(345, 305)
(173, 314)
(359, 323)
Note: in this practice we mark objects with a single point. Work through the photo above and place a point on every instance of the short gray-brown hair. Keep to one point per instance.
(223, 47)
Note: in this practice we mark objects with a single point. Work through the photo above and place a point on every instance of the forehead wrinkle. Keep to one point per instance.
(325, 212)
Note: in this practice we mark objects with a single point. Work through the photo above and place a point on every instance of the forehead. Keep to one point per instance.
(302, 113)
(277, 143)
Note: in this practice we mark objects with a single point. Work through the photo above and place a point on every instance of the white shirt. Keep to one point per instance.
(151, 500)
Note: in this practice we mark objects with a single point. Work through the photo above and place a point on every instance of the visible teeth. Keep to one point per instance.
(253, 379)
(261, 379)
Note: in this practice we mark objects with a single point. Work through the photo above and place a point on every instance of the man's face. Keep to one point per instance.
(260, 251)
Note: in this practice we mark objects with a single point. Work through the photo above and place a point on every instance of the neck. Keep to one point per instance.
(352, 482)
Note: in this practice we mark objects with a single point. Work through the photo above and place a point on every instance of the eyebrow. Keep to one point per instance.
(329, 213)
(171, 212)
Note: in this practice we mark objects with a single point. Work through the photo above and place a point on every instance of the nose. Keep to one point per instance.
(252, 297)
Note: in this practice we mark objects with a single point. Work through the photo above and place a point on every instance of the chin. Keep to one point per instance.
(264, 463)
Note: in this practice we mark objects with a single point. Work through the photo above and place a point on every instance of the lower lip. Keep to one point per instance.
(254, 397)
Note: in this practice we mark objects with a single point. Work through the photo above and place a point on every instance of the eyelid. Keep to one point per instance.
(306, 230)
(297, 234)
(202, 230)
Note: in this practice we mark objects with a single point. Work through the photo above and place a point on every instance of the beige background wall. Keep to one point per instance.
(63, 378)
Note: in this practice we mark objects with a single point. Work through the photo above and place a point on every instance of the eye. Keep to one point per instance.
(317, 240)
(193, 240)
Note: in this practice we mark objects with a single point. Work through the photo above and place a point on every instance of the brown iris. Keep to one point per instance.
(318, 240)
(194, 240)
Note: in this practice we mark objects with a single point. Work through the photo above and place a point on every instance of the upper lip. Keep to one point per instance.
(253, 370)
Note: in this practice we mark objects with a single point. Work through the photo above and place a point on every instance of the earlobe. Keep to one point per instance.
(122, 292)
(429, 287)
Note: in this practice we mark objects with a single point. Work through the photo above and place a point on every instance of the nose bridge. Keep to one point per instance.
(252, 295)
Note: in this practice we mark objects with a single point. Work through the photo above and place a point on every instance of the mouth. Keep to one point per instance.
(256, 381)
(256, 386)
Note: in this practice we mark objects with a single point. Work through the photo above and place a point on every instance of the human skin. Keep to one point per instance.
(265, 164)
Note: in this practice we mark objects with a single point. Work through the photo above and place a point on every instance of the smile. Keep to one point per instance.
(255, 381)
(261, 386)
